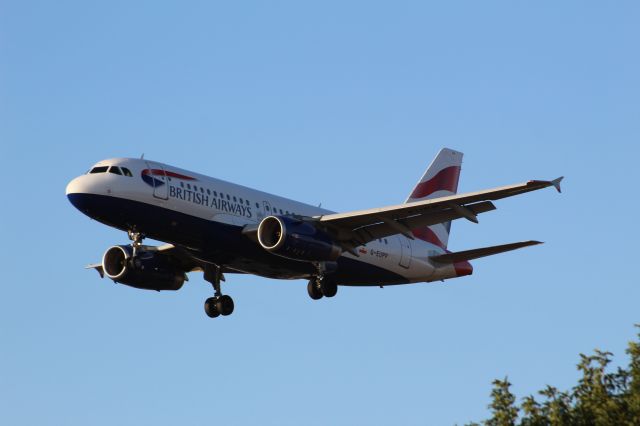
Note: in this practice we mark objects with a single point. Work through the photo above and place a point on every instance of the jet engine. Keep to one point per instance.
(296, 239)
(147, 270)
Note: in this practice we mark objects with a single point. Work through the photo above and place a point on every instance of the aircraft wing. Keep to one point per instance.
(182, 258)
(359, 227)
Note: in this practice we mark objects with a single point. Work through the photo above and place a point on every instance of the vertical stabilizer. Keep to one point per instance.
(440, 180)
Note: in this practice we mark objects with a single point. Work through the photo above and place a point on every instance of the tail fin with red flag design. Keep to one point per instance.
(440, 180)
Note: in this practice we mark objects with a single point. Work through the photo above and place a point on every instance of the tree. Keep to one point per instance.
(600, 398)
(633, 396)
(505, 412)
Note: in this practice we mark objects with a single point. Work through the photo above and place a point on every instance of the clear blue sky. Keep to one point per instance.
(343, 103)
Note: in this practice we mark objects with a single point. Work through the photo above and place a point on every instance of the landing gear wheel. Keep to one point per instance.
(220, 304)
(210, 308)
(313, 289)
(328, 287)
(225, 305)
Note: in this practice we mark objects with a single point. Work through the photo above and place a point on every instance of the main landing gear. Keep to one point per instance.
(220, 304)
(321, 286)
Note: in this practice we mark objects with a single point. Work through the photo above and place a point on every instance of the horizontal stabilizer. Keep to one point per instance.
(481, 252)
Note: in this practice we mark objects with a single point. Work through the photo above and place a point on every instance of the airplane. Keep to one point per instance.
(220, 228)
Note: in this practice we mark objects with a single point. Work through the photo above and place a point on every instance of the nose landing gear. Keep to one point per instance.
(220, 304)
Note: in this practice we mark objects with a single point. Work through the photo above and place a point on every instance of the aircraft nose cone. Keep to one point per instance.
(78, 192)
(71, 187)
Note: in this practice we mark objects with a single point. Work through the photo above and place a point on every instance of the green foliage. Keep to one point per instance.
(503, 405)
(600, 398)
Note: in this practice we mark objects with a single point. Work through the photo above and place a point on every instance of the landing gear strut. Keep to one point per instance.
(136, 240)
(220, 304)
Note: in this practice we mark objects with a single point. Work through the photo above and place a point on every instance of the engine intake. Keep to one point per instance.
(296, 239)
(147, 271)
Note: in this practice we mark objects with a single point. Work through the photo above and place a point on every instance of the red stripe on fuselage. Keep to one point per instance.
(444, 180)
(160, 172)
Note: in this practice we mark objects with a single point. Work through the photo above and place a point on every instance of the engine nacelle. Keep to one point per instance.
(296, 239)
(147, 271)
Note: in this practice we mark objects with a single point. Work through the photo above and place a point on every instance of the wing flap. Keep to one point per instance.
(481, 252)
(387, 227)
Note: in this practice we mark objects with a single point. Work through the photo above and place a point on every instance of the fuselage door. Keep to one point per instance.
(405, 252)
(159, 180)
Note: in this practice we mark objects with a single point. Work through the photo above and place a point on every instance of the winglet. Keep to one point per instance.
(556, 183)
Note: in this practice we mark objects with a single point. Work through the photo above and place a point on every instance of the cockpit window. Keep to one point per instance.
(100, 169)
(115, 170)
(126, 172)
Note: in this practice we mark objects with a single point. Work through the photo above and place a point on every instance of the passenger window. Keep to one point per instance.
(115, 170)
(188, 186)
(267, 207)
(215, 193)
(235, 200)
(281, 211)
(257, 206)
(181, 184)
(228, 197)
(221, 195)
(208, 191)
(126, 172)
(248, 203)
(195, 188)
(202, 190)
(101, 169)
(241, 201)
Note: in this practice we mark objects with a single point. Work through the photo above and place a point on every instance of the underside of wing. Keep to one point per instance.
(359, 227)
(181, 258)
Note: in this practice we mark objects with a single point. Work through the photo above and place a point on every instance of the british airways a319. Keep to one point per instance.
(220, 228)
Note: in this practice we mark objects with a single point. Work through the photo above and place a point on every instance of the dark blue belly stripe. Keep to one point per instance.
(216, 242)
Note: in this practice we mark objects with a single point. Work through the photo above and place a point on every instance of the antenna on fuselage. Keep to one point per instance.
(142, 156)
